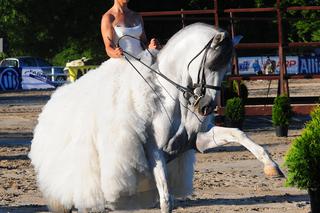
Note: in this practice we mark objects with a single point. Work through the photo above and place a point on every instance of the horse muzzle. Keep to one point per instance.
(205, 110)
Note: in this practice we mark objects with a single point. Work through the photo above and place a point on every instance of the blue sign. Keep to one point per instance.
(309, 65)
(267, 65)
(10, 78)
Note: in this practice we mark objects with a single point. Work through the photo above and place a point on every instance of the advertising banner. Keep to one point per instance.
(10, 78)
(309, 64)
(266, 65)
(34, 78)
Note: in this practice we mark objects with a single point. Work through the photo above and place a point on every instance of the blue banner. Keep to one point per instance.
(309, 64)
(35, 78)
(266, 65)
(270, 65)
(10, 78)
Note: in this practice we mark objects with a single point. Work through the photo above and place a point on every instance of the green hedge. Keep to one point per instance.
(234, 110)
(303, 157)
(281, 111)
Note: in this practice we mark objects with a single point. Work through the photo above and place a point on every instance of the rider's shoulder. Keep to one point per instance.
(108, 17)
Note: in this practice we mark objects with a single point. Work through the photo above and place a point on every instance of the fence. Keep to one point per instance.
(281, 46)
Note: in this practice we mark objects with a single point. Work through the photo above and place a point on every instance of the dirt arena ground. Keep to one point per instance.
(227, 179)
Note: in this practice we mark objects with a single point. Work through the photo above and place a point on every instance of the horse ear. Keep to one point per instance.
(236, 40)
(218, 38)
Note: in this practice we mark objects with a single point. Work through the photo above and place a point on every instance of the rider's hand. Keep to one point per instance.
(118, 52)
(154, 44)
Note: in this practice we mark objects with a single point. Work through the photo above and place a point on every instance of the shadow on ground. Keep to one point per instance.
(188, 203)
(264, 123)
(245, 201)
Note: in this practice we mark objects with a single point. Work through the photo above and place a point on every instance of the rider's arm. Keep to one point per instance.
(107, 32)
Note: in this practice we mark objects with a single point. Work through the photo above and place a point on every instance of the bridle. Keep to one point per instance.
(201, 77)
(189, 92)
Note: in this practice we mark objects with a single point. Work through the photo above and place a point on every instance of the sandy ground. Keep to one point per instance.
(227, 179)
(297, 88)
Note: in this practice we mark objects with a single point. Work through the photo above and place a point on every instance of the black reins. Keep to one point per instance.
(187, 91)
(178, 86)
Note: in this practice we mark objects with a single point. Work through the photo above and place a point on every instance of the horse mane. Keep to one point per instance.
(187, 31)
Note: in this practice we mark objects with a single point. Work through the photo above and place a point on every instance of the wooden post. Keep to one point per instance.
(235, 70)
(182, 19)
(216, 15)
(283, 83)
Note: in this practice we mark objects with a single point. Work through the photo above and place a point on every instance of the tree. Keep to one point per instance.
(304, 25)
(45, 28)
(57, 28)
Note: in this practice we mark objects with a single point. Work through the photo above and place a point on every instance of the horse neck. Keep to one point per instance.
(173, 60)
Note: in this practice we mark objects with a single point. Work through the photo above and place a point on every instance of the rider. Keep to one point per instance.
(120, 21)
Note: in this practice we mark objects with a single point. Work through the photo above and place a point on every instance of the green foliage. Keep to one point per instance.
(2, 56)
(75, 50)
(304, 25)
(231, 90)
(234, 110)
(303, 157)
(228, 90)
(45, 28)
(259, 3)
(242, 88)
(281, 111)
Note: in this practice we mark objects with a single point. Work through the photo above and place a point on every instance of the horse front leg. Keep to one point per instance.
(219, 136)
(159, 169)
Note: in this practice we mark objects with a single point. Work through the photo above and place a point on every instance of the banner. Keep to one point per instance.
(42, 77)
(309, 64)
(10, 78)
(264, 65)
(34, 78)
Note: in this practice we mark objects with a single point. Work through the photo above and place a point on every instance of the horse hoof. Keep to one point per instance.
(273, 171)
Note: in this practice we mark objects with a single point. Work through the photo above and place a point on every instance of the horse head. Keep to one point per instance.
(206, 77)
(202, 53)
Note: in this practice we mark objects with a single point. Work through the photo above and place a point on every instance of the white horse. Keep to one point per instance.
(117, 140)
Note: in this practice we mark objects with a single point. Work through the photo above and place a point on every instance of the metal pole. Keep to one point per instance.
(282, 59)
(216, 23)
(1, 45)
(52, 74)
(216, 15)
(235, 59)
(235, 70)
(182, 18)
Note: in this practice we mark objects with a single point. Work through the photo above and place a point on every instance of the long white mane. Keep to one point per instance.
(193, 36)
(190, 30)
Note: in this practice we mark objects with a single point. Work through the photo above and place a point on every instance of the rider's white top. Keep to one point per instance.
(127, 43)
